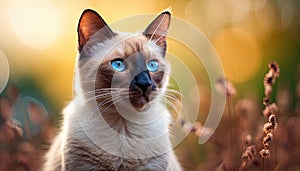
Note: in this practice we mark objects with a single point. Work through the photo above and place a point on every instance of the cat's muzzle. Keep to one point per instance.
(140, 89)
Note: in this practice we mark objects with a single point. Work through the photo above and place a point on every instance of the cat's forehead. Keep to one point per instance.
(133, 45)
(125, 46)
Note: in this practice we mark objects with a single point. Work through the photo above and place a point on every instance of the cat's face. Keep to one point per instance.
(129, 68)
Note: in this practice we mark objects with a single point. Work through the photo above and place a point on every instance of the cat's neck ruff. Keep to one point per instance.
(138, 138)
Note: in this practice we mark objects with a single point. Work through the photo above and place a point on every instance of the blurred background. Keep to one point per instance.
(38, 48)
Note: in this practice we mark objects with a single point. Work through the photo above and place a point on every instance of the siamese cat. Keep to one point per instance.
(117, 120)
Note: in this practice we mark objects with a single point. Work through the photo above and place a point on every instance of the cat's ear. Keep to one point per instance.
(158, 29)
(91, 22)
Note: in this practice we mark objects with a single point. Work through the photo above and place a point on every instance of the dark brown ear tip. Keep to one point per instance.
(89, 11)
(166, 12)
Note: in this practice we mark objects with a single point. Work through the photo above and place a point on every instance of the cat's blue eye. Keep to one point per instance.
(118, 65)
(152, 66)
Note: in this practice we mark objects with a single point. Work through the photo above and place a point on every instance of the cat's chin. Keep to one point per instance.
(140, 103)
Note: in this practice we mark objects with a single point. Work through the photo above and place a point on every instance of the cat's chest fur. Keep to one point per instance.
(81, 152)
(81, 156)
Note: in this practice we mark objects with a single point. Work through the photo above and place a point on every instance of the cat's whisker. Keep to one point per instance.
(90, 92)
(175, 94)
(106, 90)
(114, 103)
(97, 107)
(99, 96)
(171, 26)
(170, 91)
(88, 81)
(158, 46)
(104, 102)
(177, 110)
(104, 110)
(180, 104)
(105, 94)
(172, 95)
(162, 35)
(172, 98)
(115, 99)
(110, 89)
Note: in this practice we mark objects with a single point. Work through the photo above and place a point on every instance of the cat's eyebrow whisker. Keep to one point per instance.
(165, 34)
(158, 46)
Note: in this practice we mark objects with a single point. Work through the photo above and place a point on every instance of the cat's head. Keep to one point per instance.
(129, 66)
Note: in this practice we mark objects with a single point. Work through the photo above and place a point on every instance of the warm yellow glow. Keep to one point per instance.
(36, 24)
(211, 15)
(4, 71)
(239, 53)
(266, 16)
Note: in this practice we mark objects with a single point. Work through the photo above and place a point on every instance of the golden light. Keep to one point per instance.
(266, 16)
(210, 16)
(37, 24)
(4, 70)
(258, 4)
(239, 53)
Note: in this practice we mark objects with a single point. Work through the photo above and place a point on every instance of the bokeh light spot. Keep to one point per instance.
(4, 70)
(239, 53)
(36, 24)
(31, 113)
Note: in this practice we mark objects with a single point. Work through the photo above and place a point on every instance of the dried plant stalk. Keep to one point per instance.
(270, 110)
